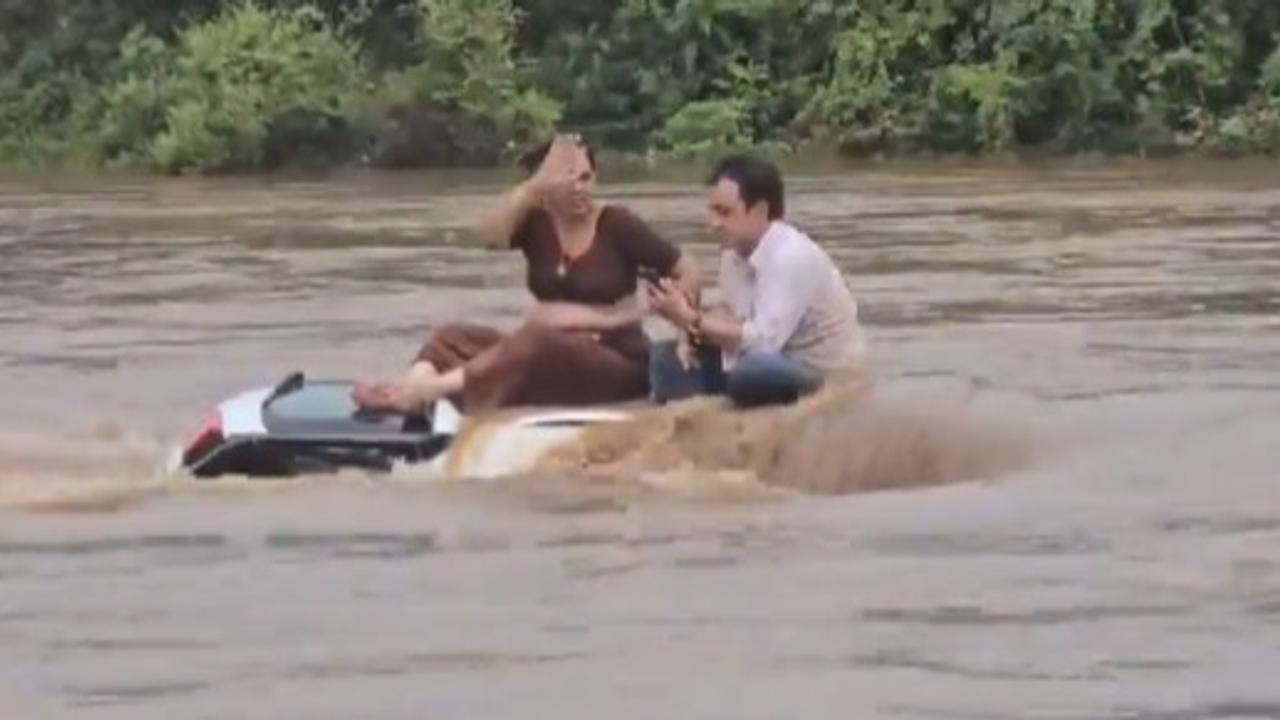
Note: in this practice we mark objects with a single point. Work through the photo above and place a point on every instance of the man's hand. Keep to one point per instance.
(686, 351)
(669, 300)
(666, 299)
(712, 329)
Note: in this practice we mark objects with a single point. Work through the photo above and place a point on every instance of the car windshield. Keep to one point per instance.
(314, 402)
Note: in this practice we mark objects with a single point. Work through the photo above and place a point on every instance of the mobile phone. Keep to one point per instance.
(649, 275)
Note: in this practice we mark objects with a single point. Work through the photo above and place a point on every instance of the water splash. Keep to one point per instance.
(103, 467)
(845, 439)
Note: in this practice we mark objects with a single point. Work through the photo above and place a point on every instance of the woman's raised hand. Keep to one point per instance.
(566, 158)
(562, 163)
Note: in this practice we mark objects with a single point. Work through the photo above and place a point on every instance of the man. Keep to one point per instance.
(788, 321)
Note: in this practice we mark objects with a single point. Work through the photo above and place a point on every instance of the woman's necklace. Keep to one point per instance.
(567, 259)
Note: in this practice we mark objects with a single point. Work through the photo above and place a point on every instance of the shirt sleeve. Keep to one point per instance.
(642, 244)
(784, 292)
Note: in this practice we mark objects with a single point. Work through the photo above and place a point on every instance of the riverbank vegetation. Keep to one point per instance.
(212, 85)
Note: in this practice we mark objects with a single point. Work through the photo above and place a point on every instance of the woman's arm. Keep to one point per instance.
(602, 318)
(500, 222)
(587, 318)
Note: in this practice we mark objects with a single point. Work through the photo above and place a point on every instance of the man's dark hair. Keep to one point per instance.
(757, 180)
(534, 157)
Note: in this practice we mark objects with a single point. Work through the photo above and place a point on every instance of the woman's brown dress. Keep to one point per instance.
(542, 366)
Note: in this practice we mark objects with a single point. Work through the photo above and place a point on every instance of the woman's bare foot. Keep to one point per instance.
(395, 395)
(421, 385)
(386, 396)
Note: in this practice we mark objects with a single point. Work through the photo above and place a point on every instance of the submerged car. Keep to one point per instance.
(302, 427)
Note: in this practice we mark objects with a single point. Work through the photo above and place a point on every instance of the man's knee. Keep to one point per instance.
(750, 388)
(759, 379)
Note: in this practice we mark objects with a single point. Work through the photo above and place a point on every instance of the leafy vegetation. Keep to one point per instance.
(215, 85)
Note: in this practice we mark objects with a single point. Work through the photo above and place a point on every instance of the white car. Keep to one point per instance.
(302, 426)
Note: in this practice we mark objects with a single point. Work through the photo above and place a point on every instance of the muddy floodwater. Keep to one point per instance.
(1064, 504)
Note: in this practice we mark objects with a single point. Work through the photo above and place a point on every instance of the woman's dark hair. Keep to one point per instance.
(532, 159)
(757, 180)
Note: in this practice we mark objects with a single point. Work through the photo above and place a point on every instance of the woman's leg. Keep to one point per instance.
(421, 385)
(548, 367)
(533, 366)
(436, 372)
(499, 371)
(421, 371)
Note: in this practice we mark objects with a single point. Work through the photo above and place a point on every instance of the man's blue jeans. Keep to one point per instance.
(757, 378)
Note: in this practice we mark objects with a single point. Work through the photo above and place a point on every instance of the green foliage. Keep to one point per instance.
(241, 73)
(623, 75)
(228, 84)
(704, 125)
(954, 75)
(132, 107)
(1253, 128)
(468, 69)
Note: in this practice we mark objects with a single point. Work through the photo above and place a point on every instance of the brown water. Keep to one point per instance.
(1125, 317)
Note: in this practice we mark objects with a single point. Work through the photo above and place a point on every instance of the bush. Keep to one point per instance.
(702, 126)
(135, 99)
(467, 79)
(192, 85)
(242, 73)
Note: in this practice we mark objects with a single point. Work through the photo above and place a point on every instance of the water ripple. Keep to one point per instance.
(941, 544)
(970, 615)
(367, 545)
(135, 693)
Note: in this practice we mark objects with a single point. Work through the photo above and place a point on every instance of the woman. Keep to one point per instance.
(582, 343)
